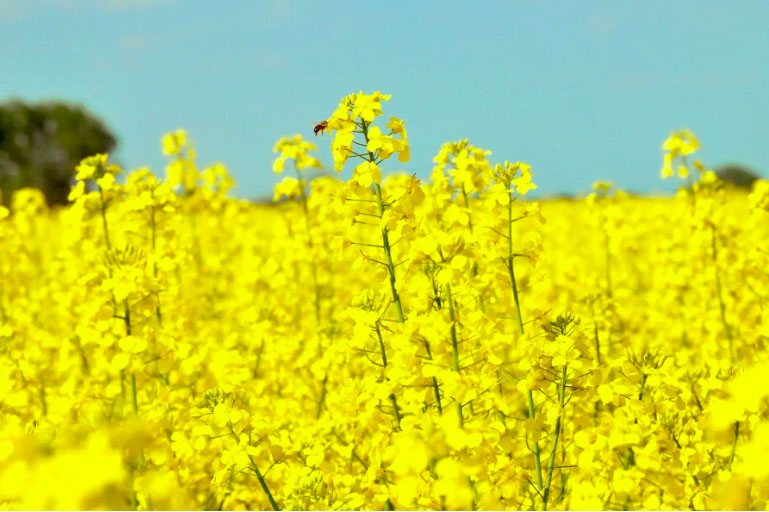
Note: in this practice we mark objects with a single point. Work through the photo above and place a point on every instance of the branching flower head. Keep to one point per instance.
(515, 175)
(297, 149)
(468, 165)
(355, 115)
(174, 143)
(97, 169)
(679, 145)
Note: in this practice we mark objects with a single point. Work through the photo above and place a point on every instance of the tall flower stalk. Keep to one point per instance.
(512, 180)
(355, 117)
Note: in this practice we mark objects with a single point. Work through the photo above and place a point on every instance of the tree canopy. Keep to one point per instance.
(738, 175)
(41, 143)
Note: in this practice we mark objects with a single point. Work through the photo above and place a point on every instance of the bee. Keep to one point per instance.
(320, 127)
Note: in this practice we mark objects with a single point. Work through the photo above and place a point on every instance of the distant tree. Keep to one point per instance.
(42, 143)
(738, 175)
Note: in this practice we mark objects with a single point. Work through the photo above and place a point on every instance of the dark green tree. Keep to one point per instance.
(738, 175)
(42, 143)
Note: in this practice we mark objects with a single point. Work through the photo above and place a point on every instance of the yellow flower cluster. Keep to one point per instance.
(677, 147)
(355, 117)
(382, 343)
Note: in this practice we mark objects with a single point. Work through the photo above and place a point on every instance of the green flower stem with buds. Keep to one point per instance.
(390, 266)
(556, 435)
(385, 236)
(454, 347)
(126, 310)
(388, 257)
(719, 293)
(258, 473)
(510, 257)
(454, 343)
(127, 321)
(396, 410)
(510, 268)
(535, 450)
(153, 228)
(436, 388)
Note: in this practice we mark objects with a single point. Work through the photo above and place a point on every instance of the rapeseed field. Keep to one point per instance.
(384, 342)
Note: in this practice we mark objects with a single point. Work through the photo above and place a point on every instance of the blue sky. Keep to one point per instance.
(581, 90)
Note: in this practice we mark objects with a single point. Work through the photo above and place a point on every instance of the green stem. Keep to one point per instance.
(510, 267)
(127, 317)
(535, 450)
(390, 269)
(643, 386)
(454, 347)
(529, 394)
(388, 258)
(322, 400)
(396, 410)
(556, 435)
(83, 357)
(153, 226)
(382, 351)
(597, 343)
(126, 309)
(258, 473)
(436, 388)
(454, 343)
(721, 305)
(551, 464)
(133, 393)
(437, 392)
(734, 443)
(385, 237)
(127, 321)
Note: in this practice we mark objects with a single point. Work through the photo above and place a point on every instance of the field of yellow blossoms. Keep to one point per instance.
(385, 342)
